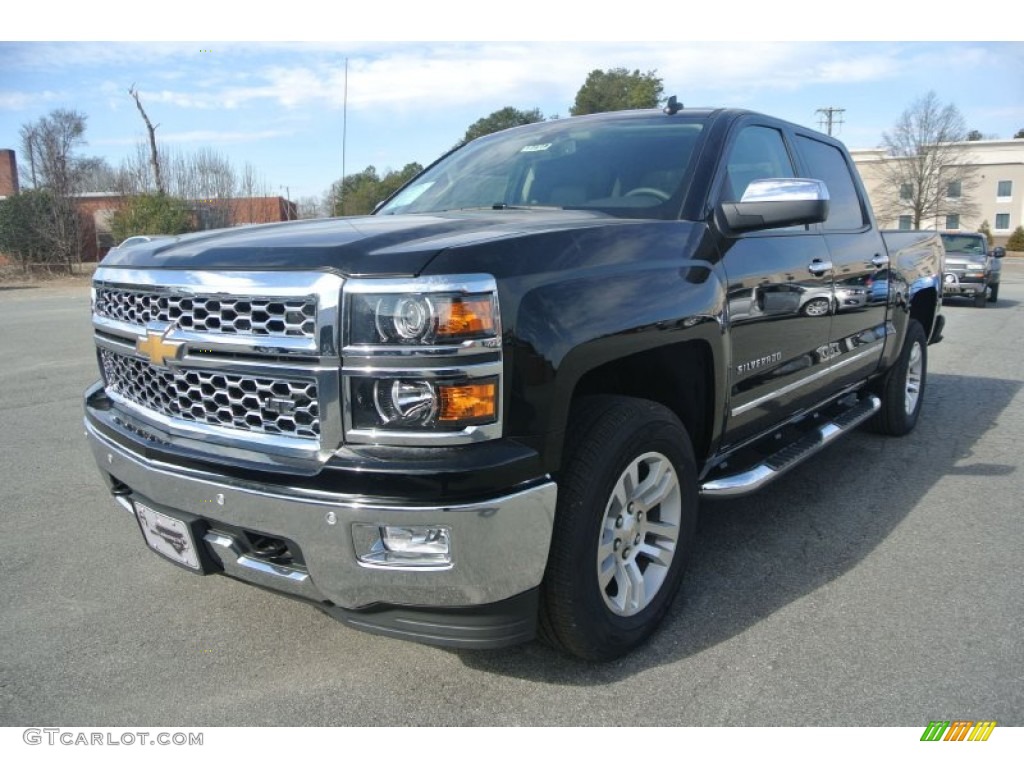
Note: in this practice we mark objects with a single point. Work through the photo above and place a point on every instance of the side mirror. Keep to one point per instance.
(771, 203)
(998, 252)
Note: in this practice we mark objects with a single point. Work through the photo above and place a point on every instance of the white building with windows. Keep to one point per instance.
(999, 194)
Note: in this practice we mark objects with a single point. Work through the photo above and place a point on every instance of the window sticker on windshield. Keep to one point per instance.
(535, 147)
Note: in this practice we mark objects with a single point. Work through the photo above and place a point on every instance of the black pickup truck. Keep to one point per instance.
(488, 411)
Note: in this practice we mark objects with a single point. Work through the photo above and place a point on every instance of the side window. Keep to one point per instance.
(758, 153)
(827, 163)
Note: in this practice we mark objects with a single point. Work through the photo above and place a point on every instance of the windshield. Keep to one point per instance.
(964, 244)
(634, 167)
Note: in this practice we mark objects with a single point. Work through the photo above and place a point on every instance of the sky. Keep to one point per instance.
(282, 106)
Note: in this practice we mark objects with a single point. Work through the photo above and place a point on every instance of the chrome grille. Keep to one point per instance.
(271, 405)
(258, 316)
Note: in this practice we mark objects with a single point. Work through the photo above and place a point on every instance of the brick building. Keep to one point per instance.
(96, 210)
(8, 173)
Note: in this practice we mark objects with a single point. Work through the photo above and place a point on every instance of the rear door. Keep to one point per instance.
(859, 258)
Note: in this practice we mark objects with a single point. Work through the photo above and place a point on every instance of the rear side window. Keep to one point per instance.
(828, 164)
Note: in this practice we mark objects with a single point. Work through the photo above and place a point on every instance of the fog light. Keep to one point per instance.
(402, 546)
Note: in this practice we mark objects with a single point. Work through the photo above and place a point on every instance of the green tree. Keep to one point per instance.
(26, 222)
(499, 120)
(151, 215)
(394, 180)
(359, 193)
(1019, 134)
(985, 230)
(1016, 241)
(617, 89)
(975, 135)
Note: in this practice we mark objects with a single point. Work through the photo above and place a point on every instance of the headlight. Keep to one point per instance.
(423, 404)
(422, 360)
(422, 319)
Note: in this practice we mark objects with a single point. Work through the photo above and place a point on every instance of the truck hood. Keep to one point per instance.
(397, 246)
(961, 260)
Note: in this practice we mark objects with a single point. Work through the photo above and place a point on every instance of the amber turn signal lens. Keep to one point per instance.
(466, 317)
(468, 402)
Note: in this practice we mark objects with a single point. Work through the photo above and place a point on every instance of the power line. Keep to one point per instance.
(832, 117)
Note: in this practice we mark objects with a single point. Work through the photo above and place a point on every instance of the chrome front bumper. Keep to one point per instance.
(499, 546)
(958, 287)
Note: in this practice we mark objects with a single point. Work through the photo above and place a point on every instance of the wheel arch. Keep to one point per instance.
(681, 376)
(924, 306)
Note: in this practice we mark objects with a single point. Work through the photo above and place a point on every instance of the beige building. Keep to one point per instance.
(999, 193)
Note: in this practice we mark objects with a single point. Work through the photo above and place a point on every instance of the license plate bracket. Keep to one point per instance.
(174, 537)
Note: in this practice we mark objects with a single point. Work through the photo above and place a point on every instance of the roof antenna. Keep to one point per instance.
(673, 106)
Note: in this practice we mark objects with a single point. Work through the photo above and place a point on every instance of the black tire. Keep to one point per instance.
(607, 437)
(902, 389)
(817, 308)
(993, 293)
(980, 299)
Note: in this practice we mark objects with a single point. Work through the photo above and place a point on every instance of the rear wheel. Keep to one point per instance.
(902, 389)
(626, 520)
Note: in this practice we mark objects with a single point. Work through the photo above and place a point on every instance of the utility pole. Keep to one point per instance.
(344, 136)
(30, 139)
(832, 117)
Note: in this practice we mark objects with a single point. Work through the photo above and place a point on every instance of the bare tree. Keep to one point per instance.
(310, 207)
(251, 185)
(207, 180)
(154, 155)
(217, 194)
(98, 175)
(927, 175)
(50, 144)
(133, 176)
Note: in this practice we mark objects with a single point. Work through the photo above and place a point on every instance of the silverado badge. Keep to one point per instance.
(761, 362)
(155, 348)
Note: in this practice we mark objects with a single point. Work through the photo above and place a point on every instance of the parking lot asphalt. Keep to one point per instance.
(878, 584)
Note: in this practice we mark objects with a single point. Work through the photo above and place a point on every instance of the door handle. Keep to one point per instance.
(819, 267)
(879, 260)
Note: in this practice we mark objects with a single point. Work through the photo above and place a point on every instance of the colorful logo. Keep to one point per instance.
(155, 347)
(958, 730)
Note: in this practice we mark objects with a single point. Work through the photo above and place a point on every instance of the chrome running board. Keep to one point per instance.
(786, 458)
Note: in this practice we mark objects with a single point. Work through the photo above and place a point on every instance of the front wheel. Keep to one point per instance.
(980, 299)
(902, 389)
(993, 293)
(624, 526)
(817, 308)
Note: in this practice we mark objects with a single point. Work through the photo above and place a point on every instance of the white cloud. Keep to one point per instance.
(220, 137)
(19, 100)
(445, 75)
(198, 137)
(425, 76)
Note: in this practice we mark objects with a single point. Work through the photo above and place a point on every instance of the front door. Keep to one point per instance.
(780, 296)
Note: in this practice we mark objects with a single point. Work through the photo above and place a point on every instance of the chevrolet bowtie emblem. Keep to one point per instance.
(156, 349)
